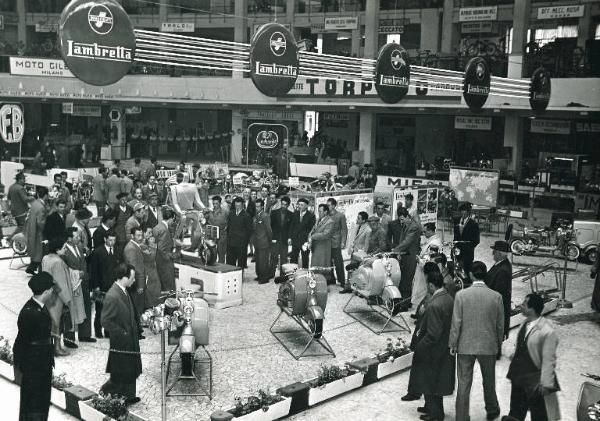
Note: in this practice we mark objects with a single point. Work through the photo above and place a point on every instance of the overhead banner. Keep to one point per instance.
(472, 123)
(12, 123)
(344, 22)
(550, 126)
(29, 66)
(96, 40)
(474, 185)
(177, 27)
(476, 27)
(471, 14)
(425, 202)
(557, 12)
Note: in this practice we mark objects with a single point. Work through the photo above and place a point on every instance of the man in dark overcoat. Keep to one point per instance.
(432, 362)
(165, 258)
(239, 231)
(281, 223)
(118, 318)
(499, 279)
(262, 242)
(33, 351)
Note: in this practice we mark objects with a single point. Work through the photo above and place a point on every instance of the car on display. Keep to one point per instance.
(587, 237)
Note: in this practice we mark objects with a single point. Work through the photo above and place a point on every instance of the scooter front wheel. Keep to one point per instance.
(517, 247)
(572, 252)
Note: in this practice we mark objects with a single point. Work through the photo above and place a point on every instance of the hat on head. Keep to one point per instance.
(83, 213)
(40, 282)
(138, 206)
(501, 245)
(373, 218)
(122, 195)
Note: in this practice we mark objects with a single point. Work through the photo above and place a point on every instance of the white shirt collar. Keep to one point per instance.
(41, 304)
(72, 248)
(105, 227)
(531, 325)
(478, 283)
(107, 247)
(165, 223)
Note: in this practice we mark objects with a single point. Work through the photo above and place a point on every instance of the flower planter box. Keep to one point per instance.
(327, 391)
(391, 367)
(58, 398)
(275, 411)
(7, 371)
(550, 306)
(89, 413)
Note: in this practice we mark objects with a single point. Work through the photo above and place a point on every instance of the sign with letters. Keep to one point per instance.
(344, 22)
(476, 27)
(472, 123)
(46, 27)
(472, 14)
(425, 202)
(557, 12)
(12, 123)
(30, 66)
(177, 27)
(550, 126)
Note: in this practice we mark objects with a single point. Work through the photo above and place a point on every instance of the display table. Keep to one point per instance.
(221, 284)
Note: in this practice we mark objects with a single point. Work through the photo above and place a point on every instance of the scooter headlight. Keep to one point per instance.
(525, 230)
(312, 283)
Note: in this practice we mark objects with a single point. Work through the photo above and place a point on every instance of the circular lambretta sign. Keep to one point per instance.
(476, 87)
(97, 40)
(392, 73)
(267, 139)
(274, 63)
(540, 90)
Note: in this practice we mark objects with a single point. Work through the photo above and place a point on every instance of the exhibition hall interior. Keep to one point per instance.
(300, 209)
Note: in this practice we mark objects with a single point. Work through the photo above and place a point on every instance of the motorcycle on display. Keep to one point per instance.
(461, 279)
(529, 241)
(204, 240)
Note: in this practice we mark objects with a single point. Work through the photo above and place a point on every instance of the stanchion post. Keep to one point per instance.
(163, 378)
(563, 302)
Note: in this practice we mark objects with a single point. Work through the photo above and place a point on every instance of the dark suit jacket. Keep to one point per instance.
(262, 231)
(101, 269)
(55, 226)
(300, 229)
(499, 279)
(151, 220)
(239, 229)
(34, 325)
(118, 317)
(250, 208)
(432, 359)
(281, 232)
(470, 233)
(132, 255)
(405, 238)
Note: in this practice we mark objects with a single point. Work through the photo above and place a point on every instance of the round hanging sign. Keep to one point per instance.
(540, 90)
(392, 73)
(12, 123)
(96, 40)
(274, 60)
(267, 139)
(476, 87)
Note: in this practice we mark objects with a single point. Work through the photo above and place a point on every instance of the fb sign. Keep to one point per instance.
(12, 123)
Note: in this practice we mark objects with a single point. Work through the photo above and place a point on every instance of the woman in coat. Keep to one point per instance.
(152, 292)
(319, 241)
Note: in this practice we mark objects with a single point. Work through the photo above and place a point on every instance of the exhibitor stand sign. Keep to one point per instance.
(392, 73)
(476, 87)
(12, 123)
(96, 40)
(274, 60)
(474, 14)
(30, 66)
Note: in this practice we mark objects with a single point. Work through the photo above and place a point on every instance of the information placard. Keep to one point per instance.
(475, 185)
(425, 202)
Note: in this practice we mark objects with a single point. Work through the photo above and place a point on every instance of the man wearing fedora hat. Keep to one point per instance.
(33, 350)
(499, 278)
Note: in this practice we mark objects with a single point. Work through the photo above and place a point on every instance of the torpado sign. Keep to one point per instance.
(12, 123)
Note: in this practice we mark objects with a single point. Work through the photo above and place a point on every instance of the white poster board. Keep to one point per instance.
(475, 185)
(350, 204)
(384, 189)
(311, 170)
(8, 170)
(215, 170)
(425, 202)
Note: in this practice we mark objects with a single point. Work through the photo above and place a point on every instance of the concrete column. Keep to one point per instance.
(356, 38)
(521, 14)
(585, 26)
(430, 29)
(240, 28)
(371, 28)
(289, 13)
(367, 134)
(449, 30)
(513, 138)
(235, 152)
(22, 22)
(117, 134)
(163, 11)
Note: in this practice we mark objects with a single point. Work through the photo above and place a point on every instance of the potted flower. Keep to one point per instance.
(395, 357)
(57, 395)
(264, 407)
(104, 408)
(6, 360)
(333, 381)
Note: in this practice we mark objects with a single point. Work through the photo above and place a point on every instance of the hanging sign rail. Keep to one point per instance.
(99, 45)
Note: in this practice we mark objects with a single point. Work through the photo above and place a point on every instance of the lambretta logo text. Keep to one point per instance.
(99, 52)
(478, 90)
(392, 81)
(276, 70)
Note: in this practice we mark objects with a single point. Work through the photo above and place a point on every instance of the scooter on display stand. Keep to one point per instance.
(376, 281)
